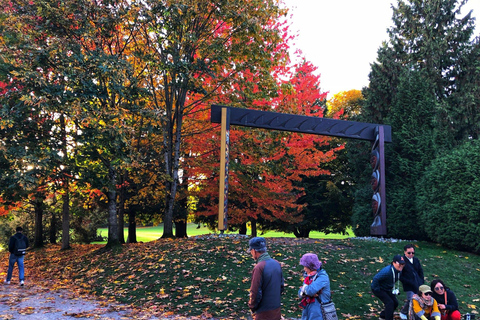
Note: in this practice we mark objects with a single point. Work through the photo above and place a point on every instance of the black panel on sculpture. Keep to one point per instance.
(298, 123)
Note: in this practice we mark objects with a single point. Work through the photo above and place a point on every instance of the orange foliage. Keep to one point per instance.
(265, 166)
(7, 208)
(345, 104)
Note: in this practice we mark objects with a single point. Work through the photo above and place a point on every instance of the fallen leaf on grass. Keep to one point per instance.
(27, 310)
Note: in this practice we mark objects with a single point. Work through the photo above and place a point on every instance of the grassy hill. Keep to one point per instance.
(210, 275)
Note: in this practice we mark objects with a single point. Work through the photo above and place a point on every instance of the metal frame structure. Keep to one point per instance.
(295, 123)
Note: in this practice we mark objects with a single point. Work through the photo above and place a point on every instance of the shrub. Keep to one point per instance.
(448, 198)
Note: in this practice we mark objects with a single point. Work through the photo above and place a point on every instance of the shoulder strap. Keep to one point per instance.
(317, 295)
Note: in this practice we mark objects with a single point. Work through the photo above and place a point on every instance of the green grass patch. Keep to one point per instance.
(146, 234)
(190, 277)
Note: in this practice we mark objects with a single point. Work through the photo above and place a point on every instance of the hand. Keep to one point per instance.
(302, 290)
(441, 306)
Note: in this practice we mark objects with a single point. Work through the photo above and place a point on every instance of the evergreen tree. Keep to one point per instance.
(419, 85)
(431, 35)
(464, 103)
(412, 150)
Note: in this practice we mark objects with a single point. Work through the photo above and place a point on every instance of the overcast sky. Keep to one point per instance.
(341, 37)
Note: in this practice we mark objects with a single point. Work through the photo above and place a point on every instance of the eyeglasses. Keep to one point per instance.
(410, 252)
(427, 293)
(439, 288)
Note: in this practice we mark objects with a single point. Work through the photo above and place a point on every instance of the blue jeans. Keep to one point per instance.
(11, 264)
(406, 306)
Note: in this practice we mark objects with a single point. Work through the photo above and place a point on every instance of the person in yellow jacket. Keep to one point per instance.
(423, 306)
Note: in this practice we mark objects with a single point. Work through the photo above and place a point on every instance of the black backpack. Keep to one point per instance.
(20, 246)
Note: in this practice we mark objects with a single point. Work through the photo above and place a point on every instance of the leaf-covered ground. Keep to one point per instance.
(36, 302)
(209, 277)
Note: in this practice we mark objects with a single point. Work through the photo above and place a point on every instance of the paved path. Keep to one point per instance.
(34, 302)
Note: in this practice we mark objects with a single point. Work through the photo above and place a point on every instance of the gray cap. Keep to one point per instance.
(257, 243)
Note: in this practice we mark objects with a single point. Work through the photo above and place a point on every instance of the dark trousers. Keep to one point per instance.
(390, 301)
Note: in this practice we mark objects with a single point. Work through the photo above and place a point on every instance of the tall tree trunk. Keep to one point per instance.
(38, 205)
(53, 229)
(170, 187)
(121, 212)
(121, 223)
(66, 216)
(181, 214)
(168, 215)
(253, 222)
(171, 144)
(243, 229)
(66, 190)
(181, 229)
(113, 239)
(132, 227)
(172, 191)
(301, 232)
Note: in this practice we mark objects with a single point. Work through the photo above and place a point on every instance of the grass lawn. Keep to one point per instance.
(210, 276)
(146, 234)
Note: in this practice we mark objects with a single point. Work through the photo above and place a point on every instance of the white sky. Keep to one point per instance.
(341, 37)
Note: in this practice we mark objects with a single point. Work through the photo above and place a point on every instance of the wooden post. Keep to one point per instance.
(224, 160)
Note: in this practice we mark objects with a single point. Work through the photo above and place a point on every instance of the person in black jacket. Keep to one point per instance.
(17, 246)
(412, 277)
(446, 299)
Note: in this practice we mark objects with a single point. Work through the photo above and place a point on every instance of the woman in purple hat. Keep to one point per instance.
(315, 289)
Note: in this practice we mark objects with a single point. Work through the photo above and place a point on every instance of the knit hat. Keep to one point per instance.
(310, 260)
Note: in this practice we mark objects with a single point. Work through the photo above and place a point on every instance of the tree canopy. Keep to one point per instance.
(104, 106)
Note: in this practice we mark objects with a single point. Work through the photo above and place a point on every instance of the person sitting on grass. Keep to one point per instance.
(446, 299)
(423, 306)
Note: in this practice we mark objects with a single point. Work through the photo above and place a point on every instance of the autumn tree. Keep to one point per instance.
(345, 104)
(266, 167)
(89, 87)
(29, 149)
(93, 59)
(188, 42)
(328, 196)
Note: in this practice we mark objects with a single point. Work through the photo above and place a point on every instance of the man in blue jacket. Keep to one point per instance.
(384, 286)
(267, 283)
